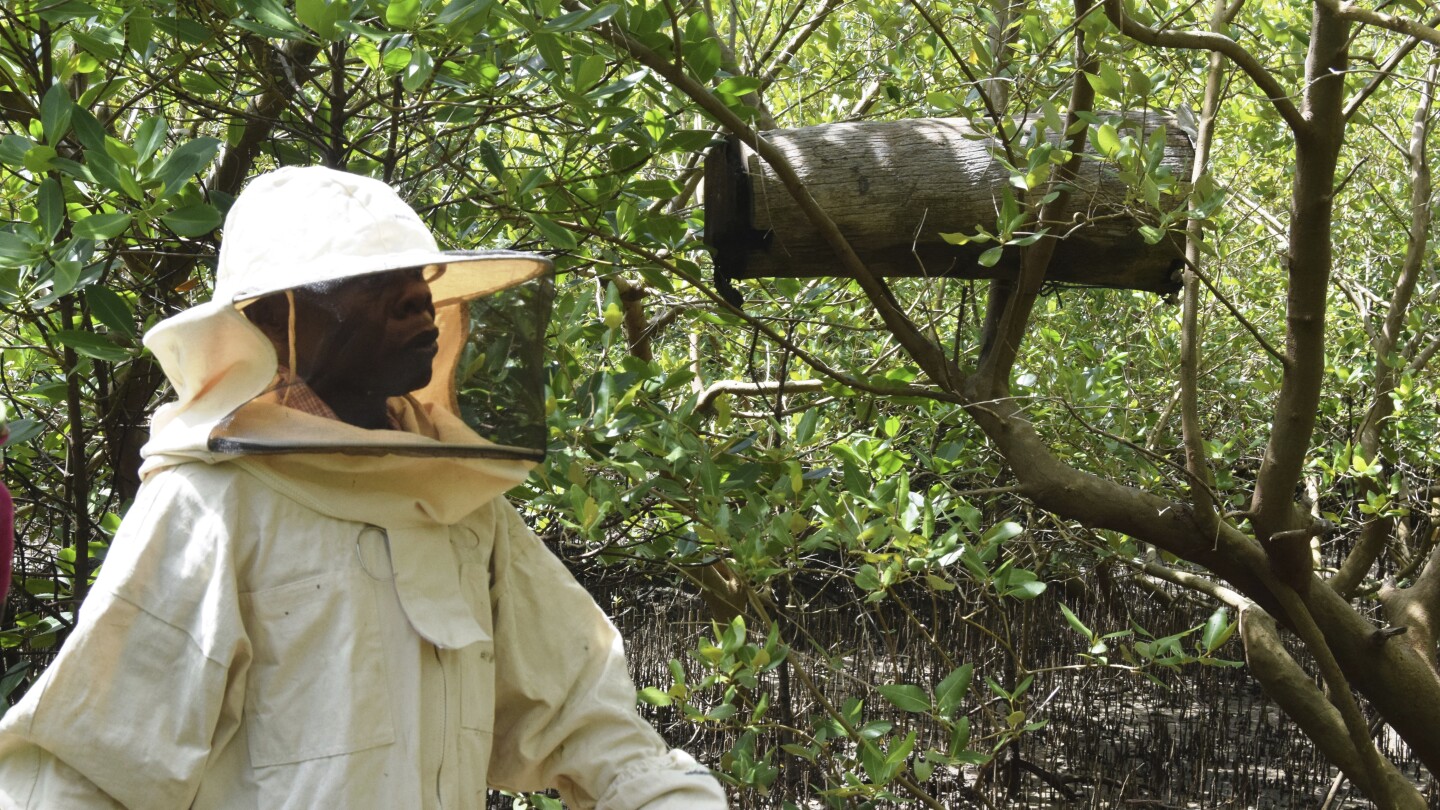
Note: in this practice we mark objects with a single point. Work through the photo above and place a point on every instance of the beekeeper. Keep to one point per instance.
(319, 598)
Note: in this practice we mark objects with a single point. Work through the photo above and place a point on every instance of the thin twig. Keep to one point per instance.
(1245, 322)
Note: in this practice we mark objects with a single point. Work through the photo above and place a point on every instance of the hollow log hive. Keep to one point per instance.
(893, 187)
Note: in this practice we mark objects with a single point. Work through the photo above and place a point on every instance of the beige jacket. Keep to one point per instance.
(243, 649)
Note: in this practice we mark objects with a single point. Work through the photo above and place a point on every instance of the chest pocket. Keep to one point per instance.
(318, 685)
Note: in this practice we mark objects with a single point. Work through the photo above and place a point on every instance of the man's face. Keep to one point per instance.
(370, 336)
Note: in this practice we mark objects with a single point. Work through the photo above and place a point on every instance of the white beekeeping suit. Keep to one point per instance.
(302, 612)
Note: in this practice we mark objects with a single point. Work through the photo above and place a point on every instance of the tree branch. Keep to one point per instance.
(1317, 149)
(1192, 432)
(1289, 685)
(1384, 73)
(1417, 609)
(707, 398)
(1209, 41)
(1203, 585)
(1345, 10)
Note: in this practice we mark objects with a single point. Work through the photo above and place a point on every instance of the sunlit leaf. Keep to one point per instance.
(584, 18)
(102, 226)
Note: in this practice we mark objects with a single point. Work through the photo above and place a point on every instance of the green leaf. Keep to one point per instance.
(192, 220)
(951, 691)
(960, 737)
(1075, 623)
(88, 130)
(186, 30)
(490, 157)
(1139, 82)
(50, 206)
(109, 173)
(40, 159)
(21, 431)
(1108, 82)
(1218, 630)
(11, 680)
(654, 696)
(906, 697)
(460, 11)
(272, 14)
(704, 57)
(103, 44)
(1026, 590)
(149, 136)
(13, 149)
(110, 309)
(872, 760)
(63, 12)
(185, 162)
(15, 250)
(805, 431)
(923, 768)
(941, 100)
(867, 578)
(402, 13)
(738, 85)
(965, 238)
(102, 226)
(617, 87)
(92, 345)
(585, 18)
(900, 753)
(991, 257)
(56, 109)
(1107, 140)
(689, 140)
(321, 16)
(587, 71)
(64, 275)
(395, 59)
(419, 70)
(942, 585)
(1001, 532)
(721, 712)
(554, 233)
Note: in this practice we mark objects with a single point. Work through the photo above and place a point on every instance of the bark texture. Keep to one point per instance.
(893, 187)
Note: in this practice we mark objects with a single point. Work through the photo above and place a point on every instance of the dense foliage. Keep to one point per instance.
(1262, 440)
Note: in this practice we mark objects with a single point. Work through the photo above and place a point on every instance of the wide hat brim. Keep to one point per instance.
(468, 273)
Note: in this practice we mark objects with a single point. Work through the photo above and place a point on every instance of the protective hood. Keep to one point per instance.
(309, 243)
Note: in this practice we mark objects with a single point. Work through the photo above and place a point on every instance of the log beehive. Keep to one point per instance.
(893, 187)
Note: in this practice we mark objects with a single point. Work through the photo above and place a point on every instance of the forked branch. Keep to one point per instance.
(1277, 95)
(1346, 10)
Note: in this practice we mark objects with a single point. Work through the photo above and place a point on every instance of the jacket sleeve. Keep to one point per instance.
(150, 677)
(565, 705)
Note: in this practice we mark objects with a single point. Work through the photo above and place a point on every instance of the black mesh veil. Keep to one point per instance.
(436, 360)
(500, 376)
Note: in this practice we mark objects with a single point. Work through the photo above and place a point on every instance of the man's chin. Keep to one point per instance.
(411, 384)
